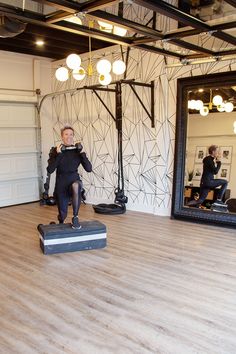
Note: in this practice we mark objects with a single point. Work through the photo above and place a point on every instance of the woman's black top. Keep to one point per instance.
(67, 162)
(209, 169)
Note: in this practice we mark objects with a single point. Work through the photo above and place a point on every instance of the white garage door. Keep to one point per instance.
(19, 176)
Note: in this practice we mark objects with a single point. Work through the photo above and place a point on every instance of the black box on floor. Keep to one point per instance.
(60, 238)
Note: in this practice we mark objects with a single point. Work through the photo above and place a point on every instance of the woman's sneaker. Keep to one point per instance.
(75, 223)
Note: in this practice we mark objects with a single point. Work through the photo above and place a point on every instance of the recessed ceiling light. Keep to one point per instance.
(39, 42)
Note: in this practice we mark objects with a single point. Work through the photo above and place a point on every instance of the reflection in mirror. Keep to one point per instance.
(210, 166)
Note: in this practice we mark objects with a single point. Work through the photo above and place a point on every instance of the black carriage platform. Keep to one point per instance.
(59, 238)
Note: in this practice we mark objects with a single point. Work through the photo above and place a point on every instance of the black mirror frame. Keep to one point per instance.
(178, 211)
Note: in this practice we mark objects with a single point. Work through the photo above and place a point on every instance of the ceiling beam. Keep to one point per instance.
(193, 32)
(146, 31)
(157, 50)
(175, 13)
(64, 26)
(73, 7)
(93, 5)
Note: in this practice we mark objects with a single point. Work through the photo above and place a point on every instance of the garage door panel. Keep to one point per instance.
(17, 192)
(5, 192)
(19, 180)
(13, 140)
(14, 167)
(17, 114)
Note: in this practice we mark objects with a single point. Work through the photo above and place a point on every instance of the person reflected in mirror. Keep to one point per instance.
(211, 166)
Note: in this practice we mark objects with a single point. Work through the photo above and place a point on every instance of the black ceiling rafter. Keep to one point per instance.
(81, 30)
(173, 12)
(72, 6)
(130, 25)
(193, 32)
(38, 19)
(152, 34)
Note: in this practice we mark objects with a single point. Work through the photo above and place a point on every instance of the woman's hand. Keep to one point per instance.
(59, 148)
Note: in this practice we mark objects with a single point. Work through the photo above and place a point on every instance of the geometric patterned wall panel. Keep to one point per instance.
(148, 152)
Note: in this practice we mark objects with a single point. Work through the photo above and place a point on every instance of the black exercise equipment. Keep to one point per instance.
(77, 146)
(46, 199)
(60, 238)
(120, 198)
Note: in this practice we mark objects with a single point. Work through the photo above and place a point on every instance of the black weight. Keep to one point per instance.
(79, 147)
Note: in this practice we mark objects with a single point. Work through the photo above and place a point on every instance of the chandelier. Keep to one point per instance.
(205, 108)
(104, 67)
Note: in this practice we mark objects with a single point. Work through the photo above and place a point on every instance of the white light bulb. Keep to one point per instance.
(198, 105)
(119, 31)
(73, 61)
(229, 107)
(105, 79)
(103, 66)
(192, 104)
(204, 111)
(62, 74)
(118, 67)
(217, 100)
(221, 107)
(79, 74)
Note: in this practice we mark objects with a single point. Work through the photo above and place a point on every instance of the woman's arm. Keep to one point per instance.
(212, 167)
(54, 159)
(85, 162)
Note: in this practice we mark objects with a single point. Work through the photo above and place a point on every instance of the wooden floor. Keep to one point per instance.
(161, 286)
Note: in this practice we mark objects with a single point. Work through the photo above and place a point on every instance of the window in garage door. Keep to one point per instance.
(19, 153)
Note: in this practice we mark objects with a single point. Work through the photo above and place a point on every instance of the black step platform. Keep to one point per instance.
(60, 238)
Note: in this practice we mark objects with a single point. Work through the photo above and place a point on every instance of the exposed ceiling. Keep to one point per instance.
(205, 28)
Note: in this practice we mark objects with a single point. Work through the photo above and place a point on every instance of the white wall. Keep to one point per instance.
(148, 152)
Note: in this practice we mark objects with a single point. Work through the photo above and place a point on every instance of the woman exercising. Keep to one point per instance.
(211, 166)
(68, 184)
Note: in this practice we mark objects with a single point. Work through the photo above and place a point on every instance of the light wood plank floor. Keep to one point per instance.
(161, 286)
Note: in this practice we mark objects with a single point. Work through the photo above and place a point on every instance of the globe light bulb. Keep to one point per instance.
(79, 74)
(221, 107)
(73, 61)
(198, 105)
(204, 111)
(217, 100)
(192, 104)
(62, 74)
(118, 67)
(229, 107)
(103, 66)
(105, 79)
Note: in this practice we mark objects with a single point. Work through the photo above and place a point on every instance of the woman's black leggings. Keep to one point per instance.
(63, 200)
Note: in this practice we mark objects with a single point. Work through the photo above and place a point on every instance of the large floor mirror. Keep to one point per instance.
(204, 185)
